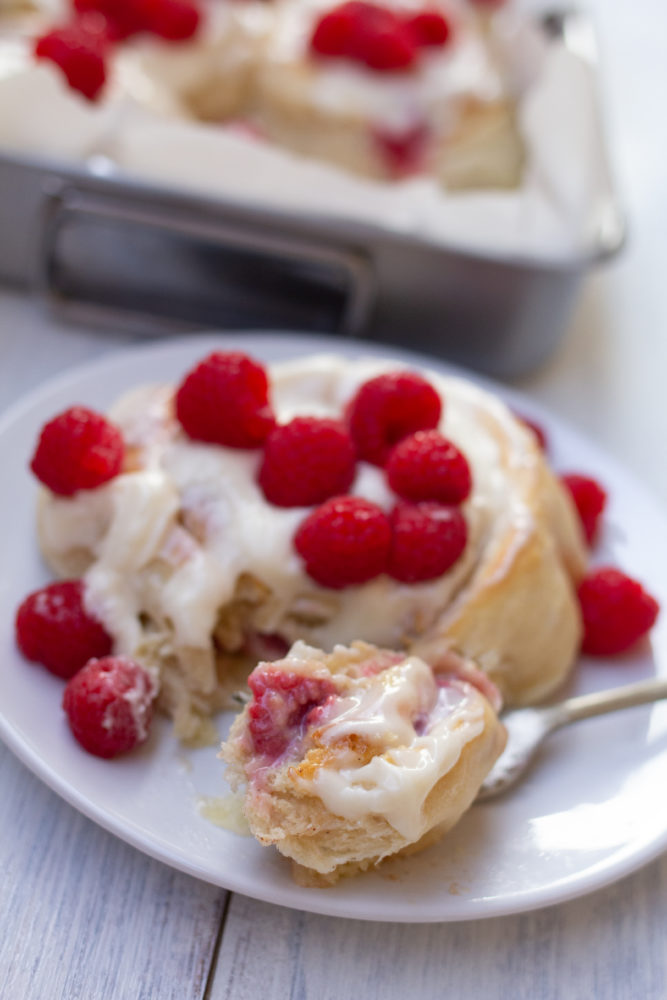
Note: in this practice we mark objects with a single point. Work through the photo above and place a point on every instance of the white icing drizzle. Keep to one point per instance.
(382, 711)
(173, 537)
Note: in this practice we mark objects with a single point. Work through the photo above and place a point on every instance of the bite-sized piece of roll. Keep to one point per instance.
(351, 757)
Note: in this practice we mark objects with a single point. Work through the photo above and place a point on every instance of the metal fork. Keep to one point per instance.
(527, 728)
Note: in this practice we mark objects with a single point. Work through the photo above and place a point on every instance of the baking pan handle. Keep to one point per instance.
(138, 265)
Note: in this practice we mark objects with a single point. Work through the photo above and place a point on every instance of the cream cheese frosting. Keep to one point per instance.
(396, 782)
(171, 539)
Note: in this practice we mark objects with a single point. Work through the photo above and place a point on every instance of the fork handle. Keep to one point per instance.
(588, 705)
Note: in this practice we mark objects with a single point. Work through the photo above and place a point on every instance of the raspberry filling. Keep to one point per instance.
(282, 702)
(404, 153)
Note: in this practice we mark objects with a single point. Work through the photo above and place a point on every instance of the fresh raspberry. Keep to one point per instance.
(426, 466)
(428, 27)
(589, 499)
(109, 705)
(616, 611)
(344, 542)
(404, 153)
(307, 461)
(78, 450)
(333, 33)
(390, 50)
(367, 33)
(282, 701)
(388, 408)
(225, 400)
(427, 539)
(80, 53)
(53, 628)
(537, 429)
(173, 20)
(122, 18)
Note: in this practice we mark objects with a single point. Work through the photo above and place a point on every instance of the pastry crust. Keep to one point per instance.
(287, 812)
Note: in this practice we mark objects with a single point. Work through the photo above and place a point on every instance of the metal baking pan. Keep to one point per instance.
(109, 251)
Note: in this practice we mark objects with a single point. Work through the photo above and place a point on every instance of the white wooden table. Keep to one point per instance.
(84, 915)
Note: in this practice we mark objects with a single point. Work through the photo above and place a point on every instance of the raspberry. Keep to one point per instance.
(80, 53)
(426, 466)
(122, 18)
(225, 400)
(333, 33)
(428, 27)
(365, 33)
(344, 542)
(390, 50)
(78, 450)
(173, 20)
(536, 428)
(388, 408)
(109, 705)
(404, 153)
(427, 539)
(307, 461)
(282, 701)
(589, 499)
(53, 628)
(616, 611)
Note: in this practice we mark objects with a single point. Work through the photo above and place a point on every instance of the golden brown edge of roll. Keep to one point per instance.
(518, 615)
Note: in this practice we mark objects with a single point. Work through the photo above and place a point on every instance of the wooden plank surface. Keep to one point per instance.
(609, 945)
(82, 915)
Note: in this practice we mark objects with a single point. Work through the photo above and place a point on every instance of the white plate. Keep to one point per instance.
(593, 809)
